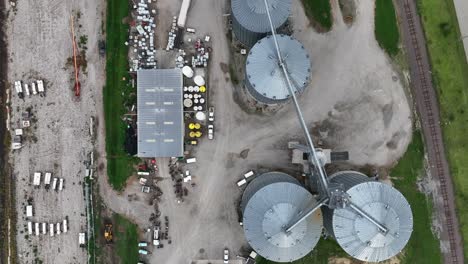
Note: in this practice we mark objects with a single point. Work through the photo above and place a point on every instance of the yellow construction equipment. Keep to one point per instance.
(197, 126)
(191, 126)
(108, 233)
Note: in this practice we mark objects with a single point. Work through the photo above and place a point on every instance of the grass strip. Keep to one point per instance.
(319, 11)
(405, 178)
(125, 239)
(450, 76)
(117, 89)
(386, 28)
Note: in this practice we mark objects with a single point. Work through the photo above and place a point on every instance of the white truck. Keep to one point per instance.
(47, 178)
(37, 179)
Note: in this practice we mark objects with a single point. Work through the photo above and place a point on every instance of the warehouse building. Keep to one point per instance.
(160, 114)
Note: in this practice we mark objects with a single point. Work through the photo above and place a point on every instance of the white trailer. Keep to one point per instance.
(44, 228)
(183, 13)
(47, 178)
(241, 182)
(191, 160)
(30, 228)
(40, 86)
(58, 228)
(26, 90)
(37, 179)
(29, 211)
(54, 184)
(65, 225)
(51, 230)
(61, 184)
(33, 88)
(81, 239)
(36, 228)
(249, 174)
(18, 87)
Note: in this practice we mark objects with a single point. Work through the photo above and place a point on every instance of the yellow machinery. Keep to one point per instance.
(108, 233)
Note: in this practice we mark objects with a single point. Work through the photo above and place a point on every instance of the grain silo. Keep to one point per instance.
(269, 204)
(361, 237)
(250, 22)
(265, 79)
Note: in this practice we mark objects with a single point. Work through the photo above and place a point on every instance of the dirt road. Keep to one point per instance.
(428, 108)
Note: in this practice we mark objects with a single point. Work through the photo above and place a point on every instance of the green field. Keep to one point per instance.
(116, 93)
(319, 11)
(450, 75)
(125, 239)
(386, 28)
(404, 177)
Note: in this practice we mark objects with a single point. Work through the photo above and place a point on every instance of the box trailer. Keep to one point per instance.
(58, 228)
(241, 182)
(29, 211)
(249, 174)
(60, 184)
(51, 230)
(44, 228)
(33, 88)
(65, 225)
(47, 178)
(36, 229)
(183, 13)
(30, 228)
(37, 179)
(40, 86)
(191, 160)
(54, 184)
(81, 239)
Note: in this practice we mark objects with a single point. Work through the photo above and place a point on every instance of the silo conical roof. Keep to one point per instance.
(251, 14)
(265, 78)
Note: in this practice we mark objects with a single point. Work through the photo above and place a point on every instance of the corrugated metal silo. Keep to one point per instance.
(355, 234)
(250, 21)
(265, 79)
(269, 204)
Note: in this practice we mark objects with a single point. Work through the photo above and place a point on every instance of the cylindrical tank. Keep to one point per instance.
(265, 79)
(358, 236)
(250, 20)
(270, 203)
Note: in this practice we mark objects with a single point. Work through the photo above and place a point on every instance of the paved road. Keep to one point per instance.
(428, 108)
(461, 8)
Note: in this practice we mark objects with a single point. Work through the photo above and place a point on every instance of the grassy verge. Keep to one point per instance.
(125, 239)
(450, 75)
(319, 11)
(405, 176)
(386, 28)
(119, 163)
(324, 250)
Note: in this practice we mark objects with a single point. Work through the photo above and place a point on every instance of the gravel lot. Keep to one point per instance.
(58, 140)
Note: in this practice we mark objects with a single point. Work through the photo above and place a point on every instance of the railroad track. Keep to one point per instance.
(434, 136)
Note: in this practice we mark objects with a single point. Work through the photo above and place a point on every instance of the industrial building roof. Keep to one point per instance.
(160, 113)
(266, 76)
(251, 14)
